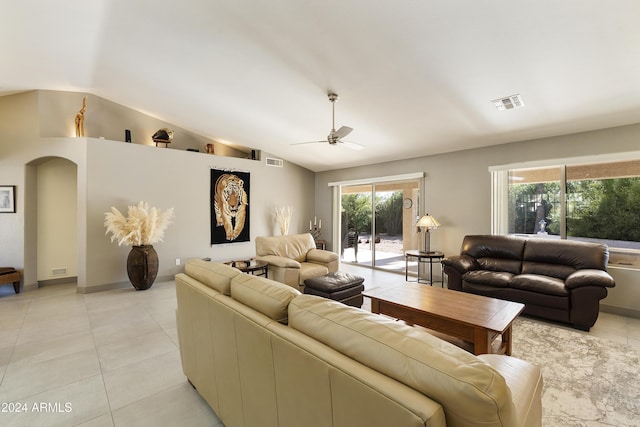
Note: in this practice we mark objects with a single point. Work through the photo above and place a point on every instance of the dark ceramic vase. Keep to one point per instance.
(142, 266)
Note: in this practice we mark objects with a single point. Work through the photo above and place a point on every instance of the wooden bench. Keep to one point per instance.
(10, 275)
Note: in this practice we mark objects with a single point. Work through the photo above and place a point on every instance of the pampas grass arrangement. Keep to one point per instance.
(143, 225)
(282, 215)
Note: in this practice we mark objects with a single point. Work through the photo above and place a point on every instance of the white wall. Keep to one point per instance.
(458, 188)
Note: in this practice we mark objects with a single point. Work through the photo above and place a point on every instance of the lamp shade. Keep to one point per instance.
(428, 222)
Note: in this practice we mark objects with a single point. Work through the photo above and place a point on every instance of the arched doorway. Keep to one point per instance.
(51, 221)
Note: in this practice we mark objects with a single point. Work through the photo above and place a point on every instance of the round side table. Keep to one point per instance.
(424, 258)
(251, 266)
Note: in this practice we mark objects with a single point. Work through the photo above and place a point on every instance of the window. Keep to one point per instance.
(534, 201)
(591, 201)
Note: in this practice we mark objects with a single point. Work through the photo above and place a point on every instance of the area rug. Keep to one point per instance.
(588, 381)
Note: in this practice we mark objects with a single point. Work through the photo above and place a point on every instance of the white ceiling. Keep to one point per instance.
(415, 77)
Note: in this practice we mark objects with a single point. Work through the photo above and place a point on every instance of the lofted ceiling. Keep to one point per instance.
(414, 77)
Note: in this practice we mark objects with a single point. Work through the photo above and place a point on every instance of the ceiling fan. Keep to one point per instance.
(335, 136)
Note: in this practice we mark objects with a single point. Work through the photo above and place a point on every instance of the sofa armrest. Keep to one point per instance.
(525, 382)
(589, 277)
(461, 263)
(321, 256)
(279, 261)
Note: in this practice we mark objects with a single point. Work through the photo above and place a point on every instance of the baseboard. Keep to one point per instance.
(117, 285)
(60, 281)
(620, 311)
(102, 288)
(29, 287)
(84, 290)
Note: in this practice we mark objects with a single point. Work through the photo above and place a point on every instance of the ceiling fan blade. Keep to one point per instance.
(342, 132)
(352, 145)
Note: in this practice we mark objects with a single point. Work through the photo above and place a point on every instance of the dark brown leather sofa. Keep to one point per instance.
(560, 280)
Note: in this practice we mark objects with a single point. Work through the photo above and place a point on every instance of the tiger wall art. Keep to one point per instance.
(230, 206)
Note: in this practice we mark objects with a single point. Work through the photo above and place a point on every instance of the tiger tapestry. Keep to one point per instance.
(229, 206)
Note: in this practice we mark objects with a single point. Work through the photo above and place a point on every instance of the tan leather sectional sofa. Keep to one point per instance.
(262, 354)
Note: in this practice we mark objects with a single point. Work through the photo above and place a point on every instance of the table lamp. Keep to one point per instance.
(427, 222)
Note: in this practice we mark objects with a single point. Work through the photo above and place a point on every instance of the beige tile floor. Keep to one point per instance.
(112, 359)
(102, 359)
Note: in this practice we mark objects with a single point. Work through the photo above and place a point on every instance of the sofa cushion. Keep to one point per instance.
(541, 284)
(559, 271)
(442, 371)
(495, 253)
(293, 246)
(529, 298)
(499, 279)
(213, 274)
(575, 254)
(267, 296)
(500, 264)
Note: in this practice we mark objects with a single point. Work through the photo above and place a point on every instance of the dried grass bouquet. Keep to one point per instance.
(143, 225)
(282, 215)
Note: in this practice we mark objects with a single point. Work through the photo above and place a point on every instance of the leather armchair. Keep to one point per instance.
(293, 259)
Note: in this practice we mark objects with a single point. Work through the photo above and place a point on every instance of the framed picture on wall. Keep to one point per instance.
(7, 198)
(229, 206)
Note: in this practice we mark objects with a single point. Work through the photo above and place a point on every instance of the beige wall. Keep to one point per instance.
(457, 188)
(121, 174)
(111, 173)
(105, 119)
(57, 219)
(18, 123)
(114, 173)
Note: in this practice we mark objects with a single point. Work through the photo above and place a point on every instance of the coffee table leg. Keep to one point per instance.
(375, 305)
(506, 341)
(481, 343)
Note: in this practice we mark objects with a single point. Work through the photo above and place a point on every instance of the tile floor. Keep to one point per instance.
(101, 359)
(112, 359)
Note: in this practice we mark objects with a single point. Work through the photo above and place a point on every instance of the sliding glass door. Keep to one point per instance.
(356, 224)
(378, 223)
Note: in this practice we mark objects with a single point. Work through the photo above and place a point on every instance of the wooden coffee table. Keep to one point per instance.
(475, 319)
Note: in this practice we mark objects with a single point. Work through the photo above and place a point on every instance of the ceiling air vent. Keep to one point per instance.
(508, 102)
(276, 163)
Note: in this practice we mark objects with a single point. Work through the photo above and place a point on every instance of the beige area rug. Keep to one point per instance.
(588, 381)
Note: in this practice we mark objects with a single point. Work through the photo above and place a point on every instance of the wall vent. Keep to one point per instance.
(508, 102)
(276, 163)
(61, 271)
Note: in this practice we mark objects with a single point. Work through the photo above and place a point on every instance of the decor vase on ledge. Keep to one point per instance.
(142, 227)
